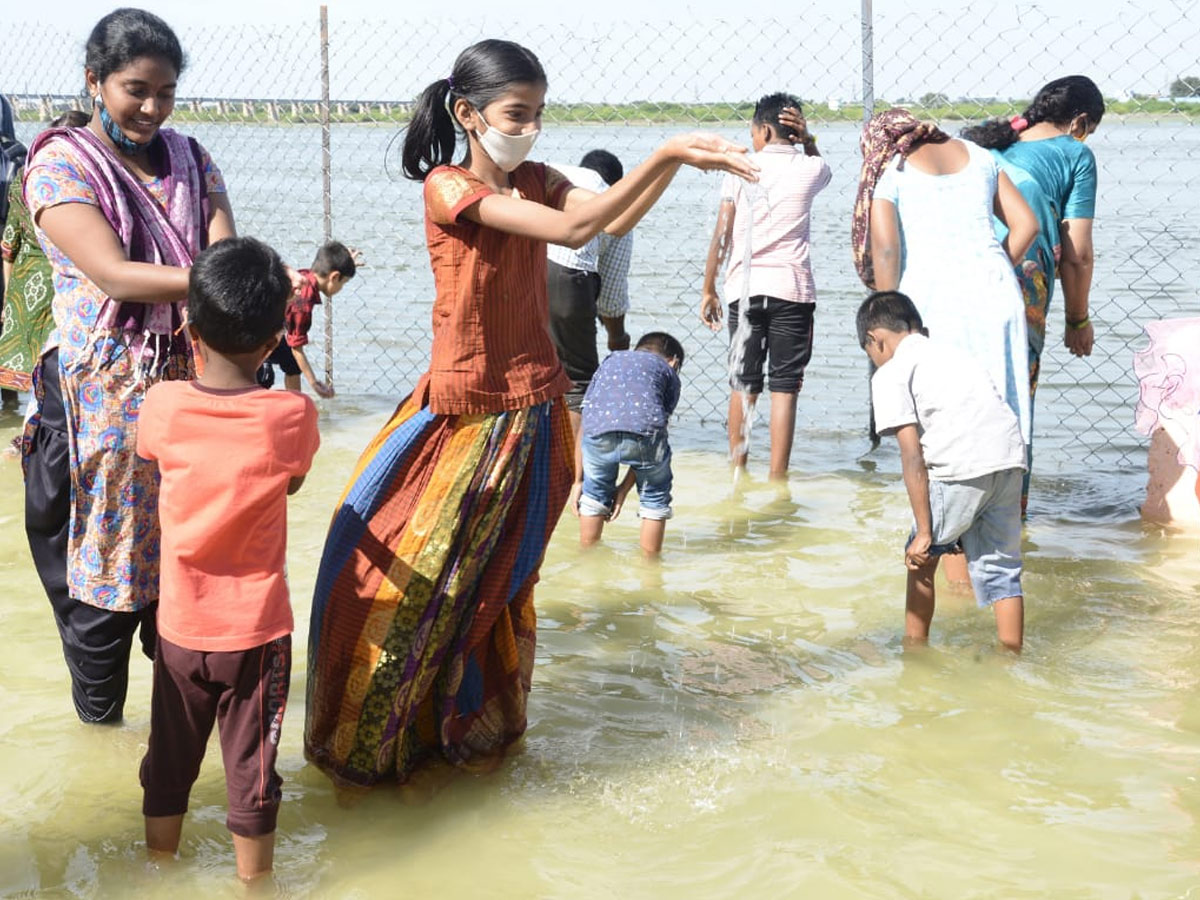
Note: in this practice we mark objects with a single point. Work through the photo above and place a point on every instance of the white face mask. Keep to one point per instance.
(506, 150)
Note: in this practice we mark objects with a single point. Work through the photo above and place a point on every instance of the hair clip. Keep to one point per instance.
(1018, 123)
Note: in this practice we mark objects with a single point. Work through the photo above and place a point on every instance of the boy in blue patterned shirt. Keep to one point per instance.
(625, 413)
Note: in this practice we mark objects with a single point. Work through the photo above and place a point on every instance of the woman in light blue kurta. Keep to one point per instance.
(1042, 151)
(957, 272)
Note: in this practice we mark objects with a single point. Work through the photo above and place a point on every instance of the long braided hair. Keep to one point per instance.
(1058, 102)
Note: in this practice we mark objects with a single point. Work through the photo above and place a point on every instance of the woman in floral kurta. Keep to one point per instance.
(113, 550)
(121, 207)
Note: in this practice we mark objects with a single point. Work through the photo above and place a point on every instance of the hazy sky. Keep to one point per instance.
(682, 51)
(213, 11)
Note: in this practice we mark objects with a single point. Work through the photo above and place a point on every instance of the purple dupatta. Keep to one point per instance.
(149, 234)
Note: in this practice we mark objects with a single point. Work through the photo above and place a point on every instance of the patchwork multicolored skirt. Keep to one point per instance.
(422, 635)
(1036, 278)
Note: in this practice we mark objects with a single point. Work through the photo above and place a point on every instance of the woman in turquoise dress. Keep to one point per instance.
(1043, 152)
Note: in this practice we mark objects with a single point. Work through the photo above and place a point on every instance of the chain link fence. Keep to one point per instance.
(255, 97)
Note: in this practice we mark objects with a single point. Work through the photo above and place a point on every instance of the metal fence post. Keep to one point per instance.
(868, 104)
(868, 61)
(326, 178)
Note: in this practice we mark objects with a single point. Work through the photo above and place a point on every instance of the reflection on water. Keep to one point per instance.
(738, 719)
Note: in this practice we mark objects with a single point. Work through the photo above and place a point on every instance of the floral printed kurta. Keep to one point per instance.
(113, 549)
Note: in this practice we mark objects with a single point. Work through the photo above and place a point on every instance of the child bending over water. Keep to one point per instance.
(334, 265)
(625, 414)
(963, 460)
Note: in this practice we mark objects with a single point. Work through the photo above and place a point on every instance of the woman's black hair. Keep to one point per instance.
(127, 34)
(481, 73)
(1058, 102)
(72, 118)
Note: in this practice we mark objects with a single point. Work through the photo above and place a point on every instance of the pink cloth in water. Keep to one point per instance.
(1168, 373)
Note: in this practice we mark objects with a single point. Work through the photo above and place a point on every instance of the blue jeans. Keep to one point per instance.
(650, 458)
(983, 513)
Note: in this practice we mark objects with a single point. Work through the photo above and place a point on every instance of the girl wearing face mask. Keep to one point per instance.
(423, 628)
(120, 207)
(1043, 152)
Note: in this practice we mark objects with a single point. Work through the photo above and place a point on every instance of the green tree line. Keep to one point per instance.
(647, 112)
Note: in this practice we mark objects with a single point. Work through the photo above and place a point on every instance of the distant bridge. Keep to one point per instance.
(45, 107)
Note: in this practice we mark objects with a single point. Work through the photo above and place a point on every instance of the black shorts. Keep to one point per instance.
(780, 330)
(283, 357)
(572, 294)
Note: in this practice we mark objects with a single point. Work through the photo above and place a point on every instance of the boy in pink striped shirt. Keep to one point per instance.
(779, 286)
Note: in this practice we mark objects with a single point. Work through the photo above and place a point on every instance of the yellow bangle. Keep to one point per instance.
(1080, 325)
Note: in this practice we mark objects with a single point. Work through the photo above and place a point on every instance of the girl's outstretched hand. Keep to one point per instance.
(709, 152)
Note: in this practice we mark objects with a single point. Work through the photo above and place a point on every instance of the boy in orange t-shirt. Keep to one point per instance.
(229, 453)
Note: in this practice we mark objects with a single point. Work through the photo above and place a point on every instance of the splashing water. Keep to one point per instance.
(742, 334)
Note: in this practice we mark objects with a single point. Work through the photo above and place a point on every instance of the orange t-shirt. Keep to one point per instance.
(226, 458)
(491, 341)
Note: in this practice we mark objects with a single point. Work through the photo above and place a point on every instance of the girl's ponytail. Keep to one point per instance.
(1063, 99)
(994, 134)
(1058, 102)
(430, 136)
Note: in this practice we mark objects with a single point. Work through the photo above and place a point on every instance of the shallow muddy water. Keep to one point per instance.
(739, 720)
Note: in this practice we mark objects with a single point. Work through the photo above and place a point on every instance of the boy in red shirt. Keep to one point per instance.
(333, 266)
(229, 453)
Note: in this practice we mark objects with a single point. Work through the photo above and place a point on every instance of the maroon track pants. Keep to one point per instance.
(244, 692)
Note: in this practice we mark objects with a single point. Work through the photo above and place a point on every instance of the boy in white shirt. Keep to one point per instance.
(963, 460)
